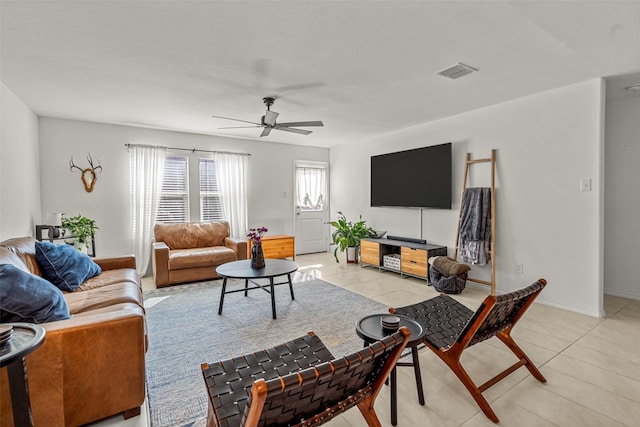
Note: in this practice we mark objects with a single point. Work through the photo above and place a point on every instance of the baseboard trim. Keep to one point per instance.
(599, 313)
(622, 294)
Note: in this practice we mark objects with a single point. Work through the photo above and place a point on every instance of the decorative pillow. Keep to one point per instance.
(65, 266)
(448, 266)
(25, 297)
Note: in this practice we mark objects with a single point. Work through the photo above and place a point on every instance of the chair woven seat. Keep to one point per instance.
(442, 318)
(450, 328)
(299, 383)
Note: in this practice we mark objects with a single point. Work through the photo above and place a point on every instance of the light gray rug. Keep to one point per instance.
(185, 331)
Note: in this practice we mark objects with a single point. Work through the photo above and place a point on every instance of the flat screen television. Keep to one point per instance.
(418, 178)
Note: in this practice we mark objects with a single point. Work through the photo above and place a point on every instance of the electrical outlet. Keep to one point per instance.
(520, 268)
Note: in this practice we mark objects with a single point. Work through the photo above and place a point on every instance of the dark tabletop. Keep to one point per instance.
(370, 329)
(242, 269)
(26, 337)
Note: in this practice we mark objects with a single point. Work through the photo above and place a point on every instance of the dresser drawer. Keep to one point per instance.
(370, 252)
(276, 247)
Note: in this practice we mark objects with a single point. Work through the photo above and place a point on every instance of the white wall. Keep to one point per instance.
(622, 205)
(270, 175)
(545, 144)
(19, 168)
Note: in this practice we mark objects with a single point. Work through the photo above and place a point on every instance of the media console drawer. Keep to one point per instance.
(370, 252)
(413, 261)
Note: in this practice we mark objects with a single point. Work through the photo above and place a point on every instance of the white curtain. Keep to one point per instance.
(231, 175)
(312, 187)
(146, 166)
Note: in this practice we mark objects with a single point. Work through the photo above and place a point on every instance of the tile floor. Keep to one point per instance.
(592, 365)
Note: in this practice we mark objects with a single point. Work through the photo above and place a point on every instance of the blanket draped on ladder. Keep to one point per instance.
(475, 226)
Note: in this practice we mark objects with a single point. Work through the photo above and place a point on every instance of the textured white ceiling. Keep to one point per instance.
(362, 67)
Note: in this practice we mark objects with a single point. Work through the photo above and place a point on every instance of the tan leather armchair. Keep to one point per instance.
(189, 252)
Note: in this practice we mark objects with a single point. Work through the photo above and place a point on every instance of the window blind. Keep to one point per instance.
(174, 198)
(211, 208)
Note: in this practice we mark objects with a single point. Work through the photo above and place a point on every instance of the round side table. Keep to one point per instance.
(25, 338)
(370, 330)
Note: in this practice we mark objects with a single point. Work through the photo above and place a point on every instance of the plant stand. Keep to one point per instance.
(90, 248)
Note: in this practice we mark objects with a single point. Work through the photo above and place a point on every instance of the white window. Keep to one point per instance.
(204, 189)
(211, 208)
(174, 198)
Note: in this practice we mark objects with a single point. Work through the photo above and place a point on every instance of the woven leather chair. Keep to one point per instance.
(451, 328)
(299, 383)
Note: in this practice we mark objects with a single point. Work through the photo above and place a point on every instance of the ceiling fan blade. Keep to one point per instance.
(237, 120)
(293, 130)
(299, 86)
(297, 124)
(240, 127)
(270, 117)
(266, 131)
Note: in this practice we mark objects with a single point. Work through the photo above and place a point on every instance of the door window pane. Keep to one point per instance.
(312, 187)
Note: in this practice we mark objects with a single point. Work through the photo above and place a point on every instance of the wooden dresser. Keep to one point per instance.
(277, 247)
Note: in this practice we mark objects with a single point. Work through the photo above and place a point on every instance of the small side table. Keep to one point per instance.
(370, 330)
(26, 337)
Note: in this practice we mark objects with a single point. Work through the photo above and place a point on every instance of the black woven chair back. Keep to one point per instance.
(314, 395)
(503, 313)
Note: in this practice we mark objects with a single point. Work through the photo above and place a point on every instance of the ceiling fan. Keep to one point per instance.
(268, 122)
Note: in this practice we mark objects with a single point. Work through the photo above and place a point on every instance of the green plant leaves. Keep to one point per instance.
(80, 227)
(347, 234)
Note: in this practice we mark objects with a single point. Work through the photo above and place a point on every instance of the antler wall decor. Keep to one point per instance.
(88, 174)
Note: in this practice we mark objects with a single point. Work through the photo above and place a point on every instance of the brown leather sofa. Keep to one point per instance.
(91, 366)
(188, 252)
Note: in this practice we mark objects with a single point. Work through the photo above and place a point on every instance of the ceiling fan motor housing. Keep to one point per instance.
(268, 101)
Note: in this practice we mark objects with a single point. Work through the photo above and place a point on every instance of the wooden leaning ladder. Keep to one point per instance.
(492, 252)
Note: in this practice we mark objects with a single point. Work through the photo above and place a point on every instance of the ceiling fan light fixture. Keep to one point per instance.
(457, 71)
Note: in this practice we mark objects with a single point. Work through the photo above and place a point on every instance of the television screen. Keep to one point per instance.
(419, 178)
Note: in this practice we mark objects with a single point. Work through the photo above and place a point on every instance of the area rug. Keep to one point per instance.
(185, 331)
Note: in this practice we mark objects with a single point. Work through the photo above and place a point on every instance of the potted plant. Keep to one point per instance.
(347, 235)
(81, 229)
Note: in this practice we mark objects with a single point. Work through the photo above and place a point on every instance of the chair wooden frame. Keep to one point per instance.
(451, 328)
(299, 383)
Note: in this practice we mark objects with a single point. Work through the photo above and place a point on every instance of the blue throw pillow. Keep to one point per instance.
(65, 266)
(25, 297)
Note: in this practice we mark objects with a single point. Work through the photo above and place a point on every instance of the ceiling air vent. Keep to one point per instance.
(457, 71)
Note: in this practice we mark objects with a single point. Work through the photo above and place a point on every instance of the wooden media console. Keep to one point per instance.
(413, 256)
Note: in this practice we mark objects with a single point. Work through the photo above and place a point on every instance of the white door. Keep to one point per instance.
(311, 207)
